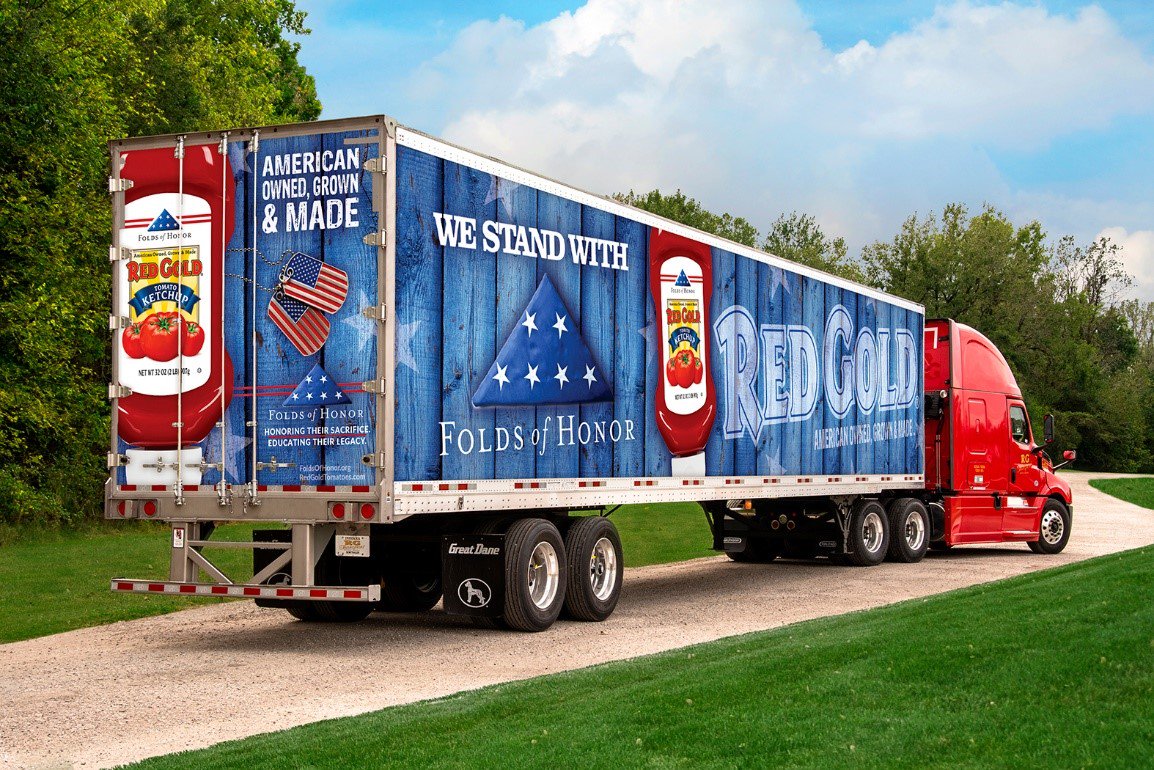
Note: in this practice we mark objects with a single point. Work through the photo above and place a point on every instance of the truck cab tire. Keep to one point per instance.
(869, 534)
(757, 551)
(535, 575)
(1054, 530)
(909, 530)
(595, 564)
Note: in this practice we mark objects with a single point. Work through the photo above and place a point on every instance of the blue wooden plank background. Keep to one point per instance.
(466, 302)
(516, 204)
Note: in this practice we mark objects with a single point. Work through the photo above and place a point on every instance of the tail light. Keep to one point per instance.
(337, 511)
(149, 508)
(368, 511)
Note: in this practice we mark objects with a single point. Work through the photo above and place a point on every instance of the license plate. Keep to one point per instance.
(353, 545)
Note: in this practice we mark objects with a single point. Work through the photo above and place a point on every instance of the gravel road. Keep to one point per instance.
(122, 692)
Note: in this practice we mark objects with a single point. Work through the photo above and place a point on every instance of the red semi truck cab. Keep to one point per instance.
(989, 481)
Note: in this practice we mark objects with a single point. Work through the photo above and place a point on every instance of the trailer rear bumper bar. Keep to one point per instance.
(370, 593)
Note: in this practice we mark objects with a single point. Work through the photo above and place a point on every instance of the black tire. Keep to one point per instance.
(909, 530)
(595, 566)
(868, 534)
(758, 550)
(1054, 530)
(409, 592)
(941, 546)
(534, 590)
(331, 612)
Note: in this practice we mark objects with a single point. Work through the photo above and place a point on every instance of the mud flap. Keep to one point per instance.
(473, 574)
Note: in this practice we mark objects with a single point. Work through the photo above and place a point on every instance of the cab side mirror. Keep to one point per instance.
(1069, 455)
(1048, 428)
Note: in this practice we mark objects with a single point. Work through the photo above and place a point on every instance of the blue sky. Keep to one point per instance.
(858, 113)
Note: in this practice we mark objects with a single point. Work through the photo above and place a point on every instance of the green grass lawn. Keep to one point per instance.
(54, 582)
(58, 581)
(1137, 491)
(1051, 669)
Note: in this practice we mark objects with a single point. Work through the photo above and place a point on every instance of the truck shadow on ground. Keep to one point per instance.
(644, 595)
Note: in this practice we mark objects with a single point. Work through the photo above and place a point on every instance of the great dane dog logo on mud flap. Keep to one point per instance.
(474, 592)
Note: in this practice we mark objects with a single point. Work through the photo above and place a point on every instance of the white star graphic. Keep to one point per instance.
(560, 376)
(560, 325)
(324, 379)
(530, 322)
(365, 329)
(532, 377)
(309, 396)
(405, 335)
(308, 378)
(296, 396)
(324, 395)
(337, 395)
(235, 442)
(501, 378)
(589, 376)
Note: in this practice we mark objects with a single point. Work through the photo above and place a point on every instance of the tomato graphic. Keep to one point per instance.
(698, 371)
(130, 341)
(160, 337)
(193, 338)
(671, 371)
(683, 365)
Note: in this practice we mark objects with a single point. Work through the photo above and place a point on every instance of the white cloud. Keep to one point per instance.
(1138, 257)
(741, 104)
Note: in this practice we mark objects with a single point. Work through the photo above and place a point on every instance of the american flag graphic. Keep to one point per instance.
(544, 360)
(305, 328)
(315, 283)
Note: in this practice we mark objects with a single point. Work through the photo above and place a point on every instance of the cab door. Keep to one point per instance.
(1025, 475)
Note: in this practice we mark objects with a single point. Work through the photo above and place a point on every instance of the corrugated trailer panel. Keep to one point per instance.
(552, 369)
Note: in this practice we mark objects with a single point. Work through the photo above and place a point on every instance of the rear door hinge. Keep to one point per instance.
(377, 312)
(374, 386)
(116, 322)
(375, 165)
(375, 239)
(375, 460)
(119, 184)
(119, 391)
(115, 460)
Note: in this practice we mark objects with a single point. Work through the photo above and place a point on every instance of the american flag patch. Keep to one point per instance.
(305, 328)
(315, 282)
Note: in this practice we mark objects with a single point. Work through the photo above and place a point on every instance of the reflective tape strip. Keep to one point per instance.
(342, 593)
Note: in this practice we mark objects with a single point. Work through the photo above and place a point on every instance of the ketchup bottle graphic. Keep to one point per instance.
(170, 277)
(681, 280)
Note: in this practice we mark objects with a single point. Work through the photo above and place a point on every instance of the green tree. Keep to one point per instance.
(799, 238)
(73, 75)
(681, 208)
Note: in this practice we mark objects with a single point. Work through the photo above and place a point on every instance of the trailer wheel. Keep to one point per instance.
(409, 592)
(535, 571)
(761, 550)
(331, 612)
(909, 530)
(593, 553)
(1055, 528)
(868, 533)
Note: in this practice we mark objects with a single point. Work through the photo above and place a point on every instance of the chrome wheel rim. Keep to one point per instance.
(1052, 527)
(871, 532)
(603, 569)
(915, 531)
(544, 571)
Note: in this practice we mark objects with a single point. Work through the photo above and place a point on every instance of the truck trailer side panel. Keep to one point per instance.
(533, 351)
